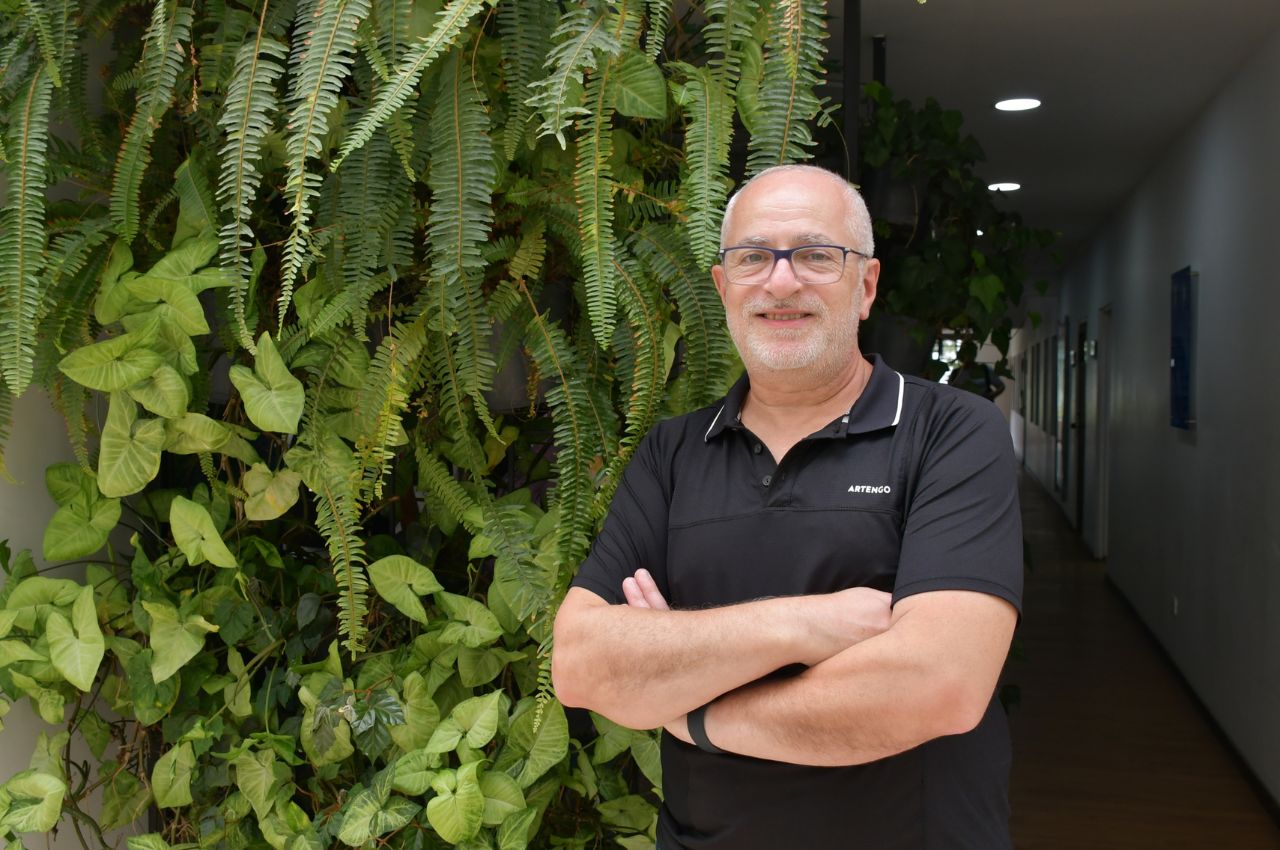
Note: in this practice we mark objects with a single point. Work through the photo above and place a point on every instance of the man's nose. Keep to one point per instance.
(782, 280)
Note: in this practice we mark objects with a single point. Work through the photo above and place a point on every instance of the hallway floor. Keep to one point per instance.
(1111, 751)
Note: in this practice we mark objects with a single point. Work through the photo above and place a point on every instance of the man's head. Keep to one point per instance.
(787, 320)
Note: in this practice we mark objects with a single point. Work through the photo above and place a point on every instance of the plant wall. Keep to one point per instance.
(355, 310)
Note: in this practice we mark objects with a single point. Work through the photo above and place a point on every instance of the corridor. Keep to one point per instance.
(1111, 751)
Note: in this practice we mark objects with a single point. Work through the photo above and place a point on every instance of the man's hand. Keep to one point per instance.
(642, 592)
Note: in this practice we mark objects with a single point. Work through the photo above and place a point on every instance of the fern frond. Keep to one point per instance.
(646, 366)
(6, 423)
(707, 140)
(161, 63)
(322, 63)
(383, 401)
(581, 40)
(246, 118)
(526, 27)
(729, 23)
(44, 37)
(435, 478)
(330, 471)
(707, 347)
(792, 69)
(71, 400)
(462, 179)
(75, 259)
(593, 189)
(22, 234)
(450, 22)
(658, 13)
(580, 429)
(527, 585)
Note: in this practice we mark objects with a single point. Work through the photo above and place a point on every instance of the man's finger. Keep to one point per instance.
(635, 596)
(649, 588)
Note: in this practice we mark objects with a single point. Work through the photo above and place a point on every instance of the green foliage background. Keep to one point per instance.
(297, 255)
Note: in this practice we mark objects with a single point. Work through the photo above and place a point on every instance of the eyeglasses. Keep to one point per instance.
(750, 265)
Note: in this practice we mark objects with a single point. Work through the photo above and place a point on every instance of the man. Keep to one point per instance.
(840, 548)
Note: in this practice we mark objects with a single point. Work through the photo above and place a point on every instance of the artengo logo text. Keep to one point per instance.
(870, 488)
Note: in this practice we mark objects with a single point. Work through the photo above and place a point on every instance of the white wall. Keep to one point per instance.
(1193, 515)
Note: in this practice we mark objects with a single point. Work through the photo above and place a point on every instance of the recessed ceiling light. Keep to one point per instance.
(1004, 187)
(979, 232)
(1017, 104)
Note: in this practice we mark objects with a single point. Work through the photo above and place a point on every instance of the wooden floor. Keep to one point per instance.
(1111, 751)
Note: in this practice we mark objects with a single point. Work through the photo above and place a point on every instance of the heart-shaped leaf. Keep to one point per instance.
(165, 393)
(400, 581)
(270, 495)
(273, 397)
(196, 535)
(129, 451)
(112, 364)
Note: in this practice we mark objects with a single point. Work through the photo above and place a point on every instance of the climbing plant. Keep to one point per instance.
(356, 310)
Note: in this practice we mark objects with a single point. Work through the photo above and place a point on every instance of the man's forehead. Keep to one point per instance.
(809, 238)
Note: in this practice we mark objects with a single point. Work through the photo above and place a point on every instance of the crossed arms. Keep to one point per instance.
(880, 680)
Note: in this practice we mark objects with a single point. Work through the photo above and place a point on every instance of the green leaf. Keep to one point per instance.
(150, 841)
(112, 364)
(514, 832)
(478, 718)
(129, 453)
(174, 642)
(196, 535)
(77, 653)
(271, 495)
(415, 772)
(273, 397)
(473, 624)
(401, 580)
(544, 744)
(69, 481)
(151, 701)
(96, 732)
(632, 812)
(987, 288)
(14, 651)
(258, 776)
(165, 393)
(639, 89)
(648, 755)
(124, 798)
(457, 810)
(184, 307)
(76, 531)
(35, 802)
(357, 818)
(502, 797)
(194, 433)
(171, 777)
(421, 715)
(395, 814)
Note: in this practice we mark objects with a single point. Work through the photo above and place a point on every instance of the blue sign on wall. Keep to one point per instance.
(1182, 350)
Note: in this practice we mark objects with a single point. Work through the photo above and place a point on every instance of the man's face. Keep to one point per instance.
(783, 324)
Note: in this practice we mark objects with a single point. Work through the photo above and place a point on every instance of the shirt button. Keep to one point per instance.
(767, 480)
(757, 448)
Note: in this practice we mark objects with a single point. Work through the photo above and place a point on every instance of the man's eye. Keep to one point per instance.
(753, 258)
(818, 256)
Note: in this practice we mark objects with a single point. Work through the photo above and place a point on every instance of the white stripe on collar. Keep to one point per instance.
(902, 385)
(707, 436)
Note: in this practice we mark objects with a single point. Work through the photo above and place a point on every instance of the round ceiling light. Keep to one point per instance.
(1017, 104)
(1004, 187)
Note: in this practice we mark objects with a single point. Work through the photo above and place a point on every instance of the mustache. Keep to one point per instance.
(771, 305)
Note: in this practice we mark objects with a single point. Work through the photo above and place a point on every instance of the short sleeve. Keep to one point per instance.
(963, 528)
(635, 529)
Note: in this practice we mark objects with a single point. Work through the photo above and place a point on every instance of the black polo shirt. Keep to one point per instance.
(913, 490)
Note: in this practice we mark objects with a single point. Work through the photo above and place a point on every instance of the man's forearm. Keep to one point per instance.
(931, 674)
(643, 667)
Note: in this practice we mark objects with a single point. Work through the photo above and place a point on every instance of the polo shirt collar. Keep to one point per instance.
(879, 406)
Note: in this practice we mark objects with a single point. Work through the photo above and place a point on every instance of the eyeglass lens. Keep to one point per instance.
(811, 264)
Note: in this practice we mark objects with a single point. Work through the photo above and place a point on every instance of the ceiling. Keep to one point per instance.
(1119, 79)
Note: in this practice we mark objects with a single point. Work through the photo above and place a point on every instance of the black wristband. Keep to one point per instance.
(697, 723)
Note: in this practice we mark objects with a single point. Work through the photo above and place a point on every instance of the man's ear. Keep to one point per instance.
(870, 279)
(717, 275)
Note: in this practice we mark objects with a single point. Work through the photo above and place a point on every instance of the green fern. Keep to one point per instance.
(707, 140)
(582, 40)
(435, 478)
(593, 188)
(383, 401)
(161, 63)
(526, 26)
(251, 100)
(792, 69)
(729, 24)
(461, 180)
(44, 37)
(707, 358)
(6, 424)
(22, 233)
(320, 65)
(658, 13)
(450, 22)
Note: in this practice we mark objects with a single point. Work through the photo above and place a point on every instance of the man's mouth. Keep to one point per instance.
(783, 317)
